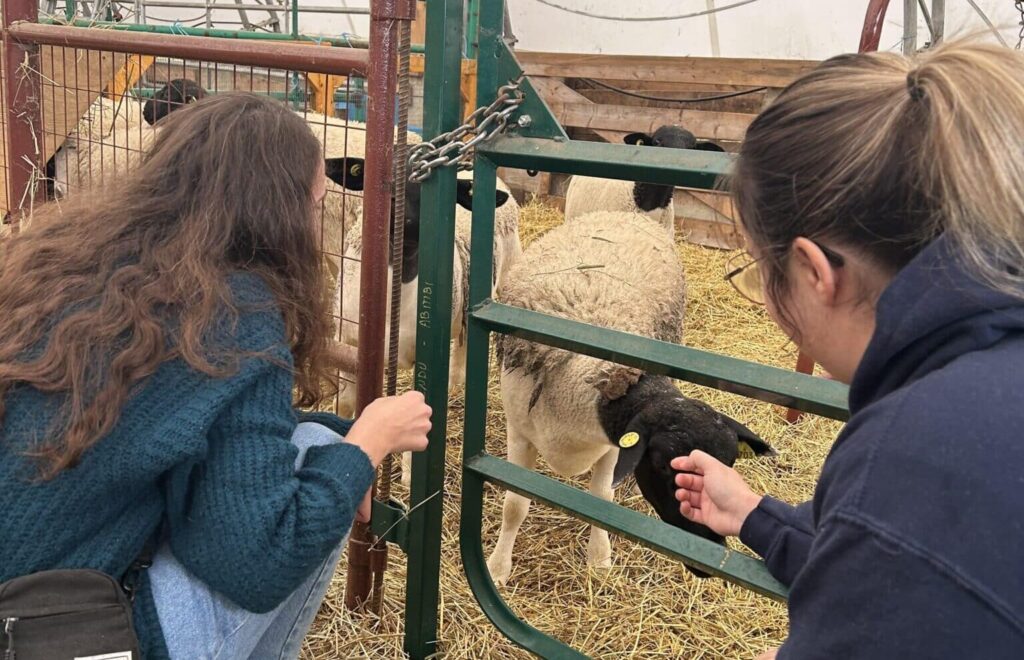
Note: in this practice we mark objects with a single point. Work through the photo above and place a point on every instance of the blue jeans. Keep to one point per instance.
(200, 624)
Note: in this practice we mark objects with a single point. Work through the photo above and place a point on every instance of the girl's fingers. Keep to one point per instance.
(683, 464)
(691, 513)
(690, 481)
(690, 496)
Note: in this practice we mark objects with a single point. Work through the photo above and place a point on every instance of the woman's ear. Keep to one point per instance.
(814, 272)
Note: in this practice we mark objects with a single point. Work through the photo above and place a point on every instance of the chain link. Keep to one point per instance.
(449, 149)
(1019, 4)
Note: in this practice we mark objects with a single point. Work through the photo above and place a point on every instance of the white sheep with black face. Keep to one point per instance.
(507, 249)
(616, 270)
(112, 136)
(106, 122)
(589, 194)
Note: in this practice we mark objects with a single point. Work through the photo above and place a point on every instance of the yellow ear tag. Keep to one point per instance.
(746, 451)
(355, 170)
(629, 440)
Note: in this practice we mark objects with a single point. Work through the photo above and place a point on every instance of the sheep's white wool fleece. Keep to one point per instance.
(586, 194)
(616, 270)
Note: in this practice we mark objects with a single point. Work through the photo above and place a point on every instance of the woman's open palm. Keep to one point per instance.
(713, 494)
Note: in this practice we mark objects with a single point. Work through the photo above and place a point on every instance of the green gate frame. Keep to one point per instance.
(541, 144)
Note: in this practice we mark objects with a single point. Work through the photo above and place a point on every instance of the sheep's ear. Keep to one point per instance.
(346, 172)
(464, 195)
(638, 138)
(708, 146)
(750, 444)
(632, 446)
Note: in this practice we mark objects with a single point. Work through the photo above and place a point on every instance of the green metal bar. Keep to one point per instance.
(689, 168)
(542, 122)
(646, 530)
(779, 386)
(218, 32)
(489, 77)
(70, 7)
(473, 30)
(295, 19)
(441, 113)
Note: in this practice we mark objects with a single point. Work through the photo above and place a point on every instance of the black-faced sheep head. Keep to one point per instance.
(664, 426)
(671, 137)
(172, 96)
(349, 172)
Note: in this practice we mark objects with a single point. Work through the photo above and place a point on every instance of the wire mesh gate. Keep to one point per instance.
(537, 142)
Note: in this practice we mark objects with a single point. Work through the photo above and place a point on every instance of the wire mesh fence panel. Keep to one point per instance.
(102, 111)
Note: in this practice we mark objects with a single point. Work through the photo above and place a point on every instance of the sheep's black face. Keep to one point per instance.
(671, 137)
(174, 95)
(665, 425)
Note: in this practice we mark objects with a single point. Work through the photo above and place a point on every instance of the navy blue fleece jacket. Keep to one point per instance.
(913, 546)
(210, 458)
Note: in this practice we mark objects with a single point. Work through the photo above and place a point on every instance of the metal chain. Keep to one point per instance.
(449, 149)
(1019, 4)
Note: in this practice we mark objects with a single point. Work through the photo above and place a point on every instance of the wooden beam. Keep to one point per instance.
(707, 125)
(554, 90)
(728, 71)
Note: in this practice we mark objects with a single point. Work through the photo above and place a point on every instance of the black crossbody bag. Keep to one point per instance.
(72, 614)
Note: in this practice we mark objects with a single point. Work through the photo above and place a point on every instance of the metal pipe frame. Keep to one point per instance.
(294, 57)
(346, 42)
(24, 94)
(373, 285)
(317, 9)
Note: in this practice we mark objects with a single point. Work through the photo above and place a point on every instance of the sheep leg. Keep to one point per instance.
(521, 452)
(347, 396)
(457, 365)
(599, 552)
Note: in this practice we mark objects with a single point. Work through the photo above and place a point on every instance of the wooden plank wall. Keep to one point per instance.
(590, 112)
(87, 74)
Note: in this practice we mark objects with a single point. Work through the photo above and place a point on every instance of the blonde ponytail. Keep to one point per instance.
(881, 154)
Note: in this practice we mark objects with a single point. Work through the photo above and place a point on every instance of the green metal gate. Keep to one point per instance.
(535, 141)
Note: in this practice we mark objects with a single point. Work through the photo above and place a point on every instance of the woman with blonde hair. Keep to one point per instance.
(882, 199)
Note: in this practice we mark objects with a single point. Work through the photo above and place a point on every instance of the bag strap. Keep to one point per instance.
(131, 578)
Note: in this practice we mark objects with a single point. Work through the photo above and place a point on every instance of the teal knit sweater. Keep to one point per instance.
(208, 460)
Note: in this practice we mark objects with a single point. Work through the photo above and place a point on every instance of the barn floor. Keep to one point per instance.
(645, 606)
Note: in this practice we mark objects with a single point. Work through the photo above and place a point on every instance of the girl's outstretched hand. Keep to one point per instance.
(390, 425)
(712, 494)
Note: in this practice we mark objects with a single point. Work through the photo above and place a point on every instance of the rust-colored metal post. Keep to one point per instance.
(273, 55)
(380, 138)
(24, 93)
(804, 365)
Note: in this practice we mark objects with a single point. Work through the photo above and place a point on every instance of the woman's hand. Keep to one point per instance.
(387, 426)
(712, 494)
(391, 425)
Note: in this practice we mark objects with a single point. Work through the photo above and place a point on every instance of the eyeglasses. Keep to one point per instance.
(743, 271)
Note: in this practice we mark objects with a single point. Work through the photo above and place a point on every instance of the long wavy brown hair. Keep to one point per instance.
(96, 295)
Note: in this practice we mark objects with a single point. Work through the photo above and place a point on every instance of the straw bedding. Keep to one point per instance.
(645, 606)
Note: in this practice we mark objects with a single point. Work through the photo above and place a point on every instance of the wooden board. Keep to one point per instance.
(730, 126)
(72, 80)
(719, 70)
(78, 78)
